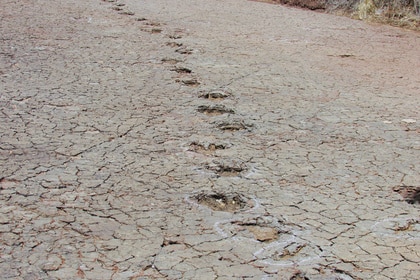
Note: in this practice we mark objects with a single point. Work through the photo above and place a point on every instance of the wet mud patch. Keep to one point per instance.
(410, 194)
(215, 110)
(226, 202)
(215, 95)
(233, 126)
(207, 149)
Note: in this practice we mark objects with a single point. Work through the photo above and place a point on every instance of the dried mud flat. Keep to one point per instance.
(206, 139)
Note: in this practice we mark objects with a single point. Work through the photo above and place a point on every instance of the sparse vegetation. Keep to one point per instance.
(403, 13)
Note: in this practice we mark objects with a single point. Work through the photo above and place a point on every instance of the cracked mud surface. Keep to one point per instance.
(120, 161)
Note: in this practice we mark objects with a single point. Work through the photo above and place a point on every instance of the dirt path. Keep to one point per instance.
(206, 139)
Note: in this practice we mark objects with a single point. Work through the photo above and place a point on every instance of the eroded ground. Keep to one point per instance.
(206, 139)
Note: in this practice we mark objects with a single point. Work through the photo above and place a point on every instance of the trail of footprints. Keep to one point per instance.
(282, 244)
(186, 77)
(279, 243)
(411, 194)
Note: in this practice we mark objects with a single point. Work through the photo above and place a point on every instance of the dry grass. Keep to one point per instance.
(402, 13)
(365, 9)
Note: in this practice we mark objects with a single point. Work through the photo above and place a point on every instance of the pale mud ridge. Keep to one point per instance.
(206, 139)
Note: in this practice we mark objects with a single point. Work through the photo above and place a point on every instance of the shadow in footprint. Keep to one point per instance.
(233, 126)
(215, 95)
(215, 110)
(182, 70)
